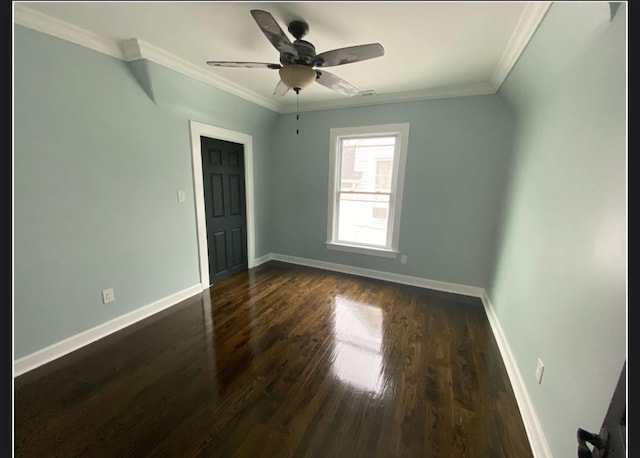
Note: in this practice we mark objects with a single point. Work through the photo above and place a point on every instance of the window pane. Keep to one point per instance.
(367, 164)
(363, 218)
(365, 188)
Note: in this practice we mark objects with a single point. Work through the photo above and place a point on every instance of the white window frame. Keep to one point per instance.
(401, 131)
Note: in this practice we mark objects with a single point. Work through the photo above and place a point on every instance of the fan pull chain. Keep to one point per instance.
(297, 115)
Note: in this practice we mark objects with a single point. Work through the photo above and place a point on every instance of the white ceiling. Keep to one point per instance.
(432, 49)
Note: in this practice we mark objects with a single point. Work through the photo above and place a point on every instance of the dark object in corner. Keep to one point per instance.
(611, 441)
(600, 444)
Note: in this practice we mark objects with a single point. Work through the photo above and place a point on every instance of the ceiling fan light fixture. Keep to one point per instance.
(297, 76)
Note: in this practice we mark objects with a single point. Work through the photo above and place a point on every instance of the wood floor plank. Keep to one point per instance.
(282, 361)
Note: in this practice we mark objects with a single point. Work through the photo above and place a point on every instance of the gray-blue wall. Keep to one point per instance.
(559, 290)
(457, 160)
(523, 193)
(97, 165)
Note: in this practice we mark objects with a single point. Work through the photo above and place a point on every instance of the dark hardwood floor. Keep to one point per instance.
(282, 361)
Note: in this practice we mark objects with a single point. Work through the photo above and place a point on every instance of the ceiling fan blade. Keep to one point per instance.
(335, 83)
(348, 55)
(273, 32)
(217, 63)
(281, 89)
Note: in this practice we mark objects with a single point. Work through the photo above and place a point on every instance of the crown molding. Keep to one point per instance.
(528, 23)
(462, 90)
(134, 49)
(130, 50)
(35, 20)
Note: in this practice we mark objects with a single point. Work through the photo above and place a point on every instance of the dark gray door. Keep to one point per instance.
(225, 207)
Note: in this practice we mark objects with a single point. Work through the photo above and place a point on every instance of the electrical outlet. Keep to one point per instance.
(403, 259)
(539, 371)
(108, 296)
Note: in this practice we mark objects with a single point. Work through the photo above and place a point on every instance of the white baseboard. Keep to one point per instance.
(261, 260)
(58, 349)
(464, 290)
(537, 439)
(532, 425)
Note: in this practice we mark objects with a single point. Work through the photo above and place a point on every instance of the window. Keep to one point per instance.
(365, 188)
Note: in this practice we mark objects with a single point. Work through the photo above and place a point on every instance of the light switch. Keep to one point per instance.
(539, 371)
(182, 196)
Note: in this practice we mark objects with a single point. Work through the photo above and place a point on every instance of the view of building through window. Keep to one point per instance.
(364, 193)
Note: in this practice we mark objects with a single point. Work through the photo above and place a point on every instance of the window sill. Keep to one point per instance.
(362, 250)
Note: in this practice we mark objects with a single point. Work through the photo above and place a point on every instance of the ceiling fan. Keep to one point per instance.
(299, 64)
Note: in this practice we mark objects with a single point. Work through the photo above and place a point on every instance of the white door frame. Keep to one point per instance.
(199, 129)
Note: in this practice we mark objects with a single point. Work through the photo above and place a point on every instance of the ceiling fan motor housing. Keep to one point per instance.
(306, 51)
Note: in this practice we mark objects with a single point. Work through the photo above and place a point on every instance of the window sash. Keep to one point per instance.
(378, 176)
(360, 219)
(340, 229)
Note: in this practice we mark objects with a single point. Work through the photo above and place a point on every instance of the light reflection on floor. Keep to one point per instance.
(358, 345)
